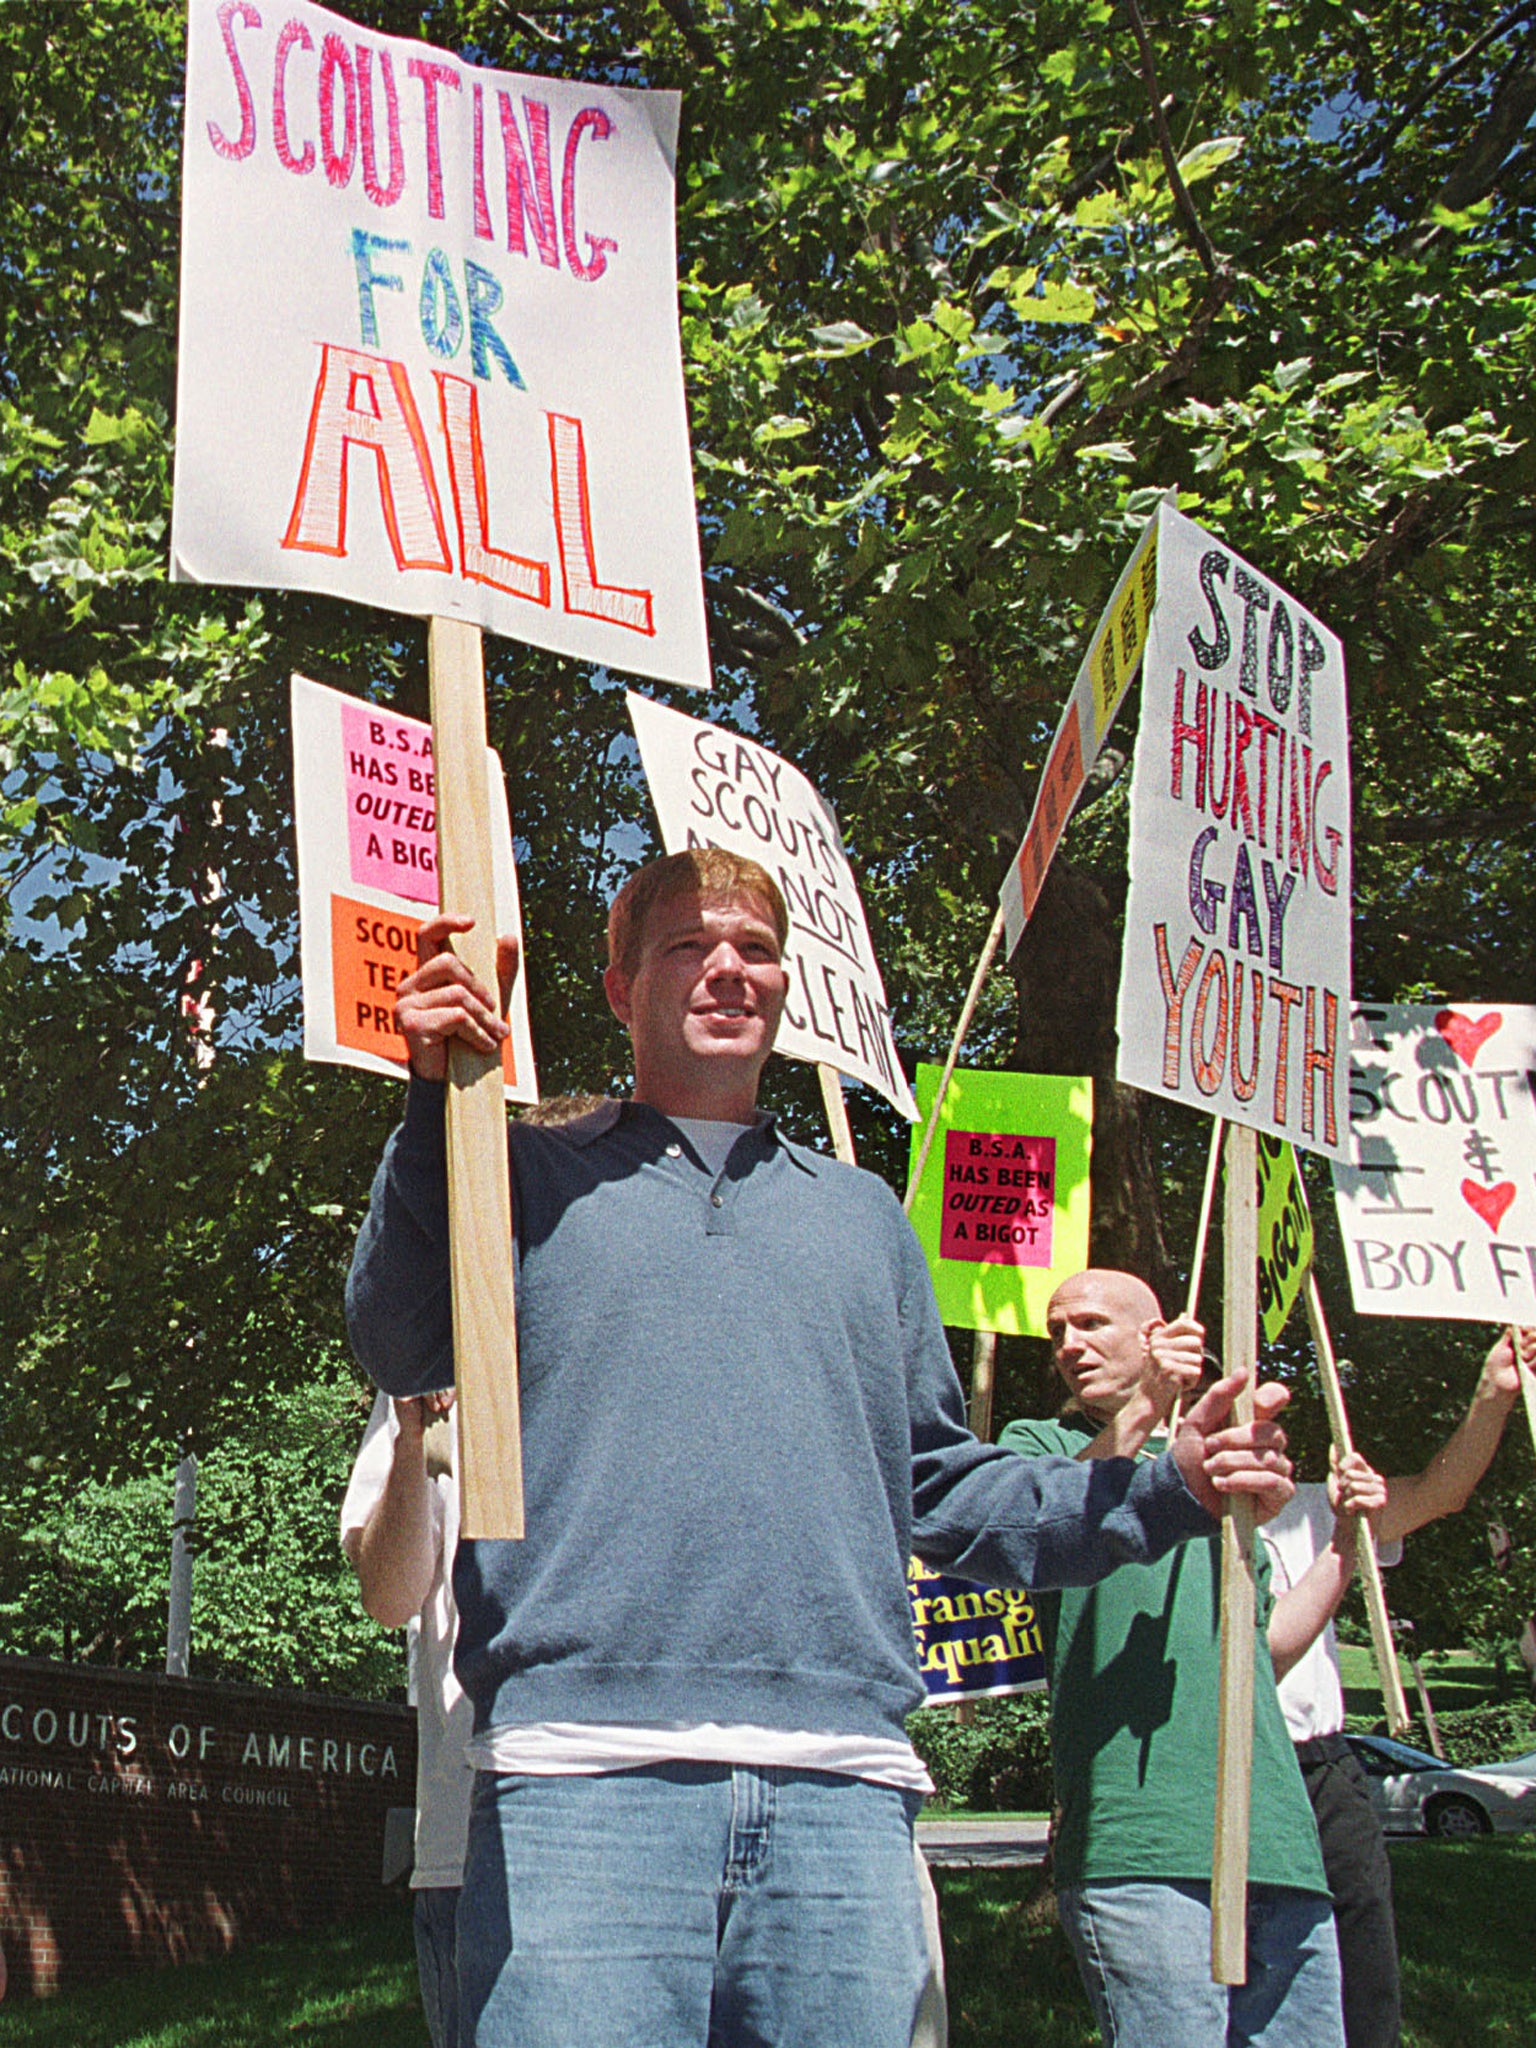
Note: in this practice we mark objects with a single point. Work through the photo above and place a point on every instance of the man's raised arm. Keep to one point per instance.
(395, 1551)
(399, 1313)
(1445, 1485)
(1301, 1613)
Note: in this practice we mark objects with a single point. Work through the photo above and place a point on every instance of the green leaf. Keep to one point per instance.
(1206, 158)
(842, 338)
(129, 429)
(780, 427)
(1107, 451)
(1056, 304)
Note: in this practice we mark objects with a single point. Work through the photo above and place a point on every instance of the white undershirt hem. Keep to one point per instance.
(577, 1749)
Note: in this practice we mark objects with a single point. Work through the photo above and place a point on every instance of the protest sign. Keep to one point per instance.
(973, 1641)
(1001, 1209)
(1285, 1234)
(1438, 1208)
(364, 805)
(1235, 976)
(428, 351)
(1103, 677)
(717, 788)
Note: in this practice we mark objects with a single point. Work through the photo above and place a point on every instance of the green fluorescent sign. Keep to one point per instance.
(1002, 1209)
(1285, 1233)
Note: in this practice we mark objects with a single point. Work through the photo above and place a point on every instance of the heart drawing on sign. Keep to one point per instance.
(1466, 1036)
(1490, 1203)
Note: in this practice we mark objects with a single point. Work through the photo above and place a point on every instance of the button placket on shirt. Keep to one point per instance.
(718, 1220)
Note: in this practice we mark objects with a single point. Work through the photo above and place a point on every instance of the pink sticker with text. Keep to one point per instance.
(999, 1190)
(391, 807)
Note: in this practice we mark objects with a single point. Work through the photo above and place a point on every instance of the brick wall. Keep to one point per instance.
(148, 1820)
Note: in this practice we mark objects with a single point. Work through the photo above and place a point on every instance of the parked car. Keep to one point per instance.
(1518, 1766)
(1414, 1793)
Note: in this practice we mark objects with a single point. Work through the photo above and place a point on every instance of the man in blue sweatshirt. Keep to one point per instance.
(693, 1817)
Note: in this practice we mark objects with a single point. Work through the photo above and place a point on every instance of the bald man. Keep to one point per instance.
(1133, 1676)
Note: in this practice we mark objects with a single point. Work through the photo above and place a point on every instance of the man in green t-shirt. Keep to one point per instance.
(1133, 1675)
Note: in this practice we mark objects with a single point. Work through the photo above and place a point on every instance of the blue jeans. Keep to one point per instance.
(436, 1961)
(1144, 1952)
(690, 1906)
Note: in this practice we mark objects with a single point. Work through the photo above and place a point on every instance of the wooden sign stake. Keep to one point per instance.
(1207, 1197)
(1527, 1385)
(1428, 1705)
(479, 1188)
(1234, 1733)
(967, 1012)
(1203, 1231)
(983, 1373)
(1382, 1646)
(837, 1112)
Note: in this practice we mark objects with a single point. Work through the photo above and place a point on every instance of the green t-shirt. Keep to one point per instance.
(1133, 1666)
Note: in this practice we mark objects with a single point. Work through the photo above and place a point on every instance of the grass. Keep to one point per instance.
(350, 1987)
(1456, 1678)
(1465, 1913)
(1011, 1975)
(1464, 1917)
(937, 1810)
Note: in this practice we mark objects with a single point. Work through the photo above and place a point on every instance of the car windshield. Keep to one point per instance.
(1405, 1758)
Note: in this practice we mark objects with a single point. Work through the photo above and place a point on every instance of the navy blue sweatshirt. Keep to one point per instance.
(739, 1418)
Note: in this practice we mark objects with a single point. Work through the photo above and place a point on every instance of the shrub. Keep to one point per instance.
(1000, 1762)
(1469, 1735)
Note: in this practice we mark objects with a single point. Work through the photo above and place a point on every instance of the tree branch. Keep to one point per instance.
(1072, 389)
(1180, 364)
(1409, 534)
(1421, 99)
(1283, 223)
(1183, 204)
(681, 15)
(541, 34)
(1417, 828)
(1476, 171)
(1090, 180)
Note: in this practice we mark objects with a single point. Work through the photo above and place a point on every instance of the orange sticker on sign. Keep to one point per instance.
(372, 952)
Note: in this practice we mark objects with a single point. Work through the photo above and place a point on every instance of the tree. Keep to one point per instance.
(86, 1568)
(961, 290)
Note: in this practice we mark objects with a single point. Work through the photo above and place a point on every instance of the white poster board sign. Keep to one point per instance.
(1235, 978)
(428, 351)
(1438, 1212)
(717, 788)
(365, 814)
